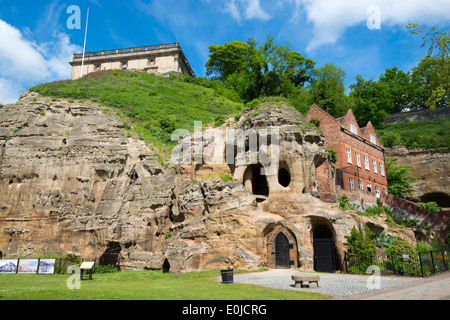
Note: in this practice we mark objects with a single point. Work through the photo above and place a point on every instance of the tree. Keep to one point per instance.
(439, 77)
(256, 70)
(399, 178)
(370, 101)
(361, 248)
(327, 89)
(400, 88)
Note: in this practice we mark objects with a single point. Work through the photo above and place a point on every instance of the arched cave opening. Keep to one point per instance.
(325, 255)
(441, 198)
(258, 181)
(111, 256)
(166, 266)
(284, 177)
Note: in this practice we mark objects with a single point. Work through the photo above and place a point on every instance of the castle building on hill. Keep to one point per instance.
(161, 59)
(360, 167)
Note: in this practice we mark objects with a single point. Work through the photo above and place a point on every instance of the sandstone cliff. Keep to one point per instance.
(432, 169)
(73, 181)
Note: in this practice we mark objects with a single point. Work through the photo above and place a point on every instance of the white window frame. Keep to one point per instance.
(375, 166)
(373, 139)
(351, 183)
(358, 159)
(382, 168)
(360, 185)
(353, 129)
(377, 191)
(385, 191)
(366, 162)
(369, 185)
(349, 155)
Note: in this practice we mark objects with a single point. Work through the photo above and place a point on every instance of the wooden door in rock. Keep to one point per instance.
(282, 257)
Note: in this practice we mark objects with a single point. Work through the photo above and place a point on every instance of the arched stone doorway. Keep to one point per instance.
(282, 250)
(325, 254)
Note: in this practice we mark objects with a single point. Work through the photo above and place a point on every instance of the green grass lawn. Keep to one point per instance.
(140, 285)
(153, 106)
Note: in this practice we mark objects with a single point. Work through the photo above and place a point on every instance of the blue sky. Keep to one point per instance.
(36, 44)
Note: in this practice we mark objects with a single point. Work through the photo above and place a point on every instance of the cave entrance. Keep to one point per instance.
(284, 177)
(325, 257)
(166, 266)
(256, 181)
(442, 199)
(111, 256)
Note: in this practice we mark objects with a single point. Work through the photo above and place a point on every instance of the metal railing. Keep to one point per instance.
(127, 50)
(420, 264)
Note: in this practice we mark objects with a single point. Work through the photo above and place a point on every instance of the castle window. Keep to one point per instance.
(353, 129)
(385, 191)
(349, 155)
(369, 187)
(373, 139)
(366, 162)
(375, 167)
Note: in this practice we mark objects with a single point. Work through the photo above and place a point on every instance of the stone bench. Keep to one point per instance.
(299, 279)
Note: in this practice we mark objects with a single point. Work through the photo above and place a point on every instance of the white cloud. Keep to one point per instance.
(24, 62)
(330, 18)
(246, 9)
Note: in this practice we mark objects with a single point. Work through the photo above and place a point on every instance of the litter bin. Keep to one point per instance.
(227, 276)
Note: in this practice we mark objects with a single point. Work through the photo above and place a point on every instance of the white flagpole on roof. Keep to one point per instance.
(84, 47)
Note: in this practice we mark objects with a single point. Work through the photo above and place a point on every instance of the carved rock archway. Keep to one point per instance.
(281, 232)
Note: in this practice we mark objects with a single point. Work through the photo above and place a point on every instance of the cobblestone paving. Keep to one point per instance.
(335, 285)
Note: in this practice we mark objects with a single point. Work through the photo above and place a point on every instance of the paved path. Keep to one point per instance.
(355, 287)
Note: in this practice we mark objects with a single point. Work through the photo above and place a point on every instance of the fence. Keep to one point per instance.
(420, 264)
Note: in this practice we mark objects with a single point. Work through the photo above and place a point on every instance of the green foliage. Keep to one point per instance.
(226, 177)
(105, 269)
(384, 240)
(178, 102)
(427, 134)
(398, 252)
(430, 206)
(399, 178)
(344, 203)
(370, 101)
(257, 70)
(333, 155)
(438, 77)
(361, 248)
(327, 89)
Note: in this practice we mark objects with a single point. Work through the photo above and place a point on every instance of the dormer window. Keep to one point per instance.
(373, 140)
(353, 129)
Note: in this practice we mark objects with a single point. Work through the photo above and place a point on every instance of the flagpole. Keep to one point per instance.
(84, 47)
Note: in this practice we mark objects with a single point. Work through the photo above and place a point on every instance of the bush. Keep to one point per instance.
(430, 206)
(361, 249)
(398, 251)
(344, 203)
(333, 155)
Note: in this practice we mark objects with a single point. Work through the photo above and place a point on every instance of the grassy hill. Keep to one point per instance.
(150, 105)
(427, 134)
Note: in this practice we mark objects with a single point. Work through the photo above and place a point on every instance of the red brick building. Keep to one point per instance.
(360, 166)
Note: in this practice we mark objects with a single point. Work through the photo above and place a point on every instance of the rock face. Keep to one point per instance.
(433, 170)
(72, 181)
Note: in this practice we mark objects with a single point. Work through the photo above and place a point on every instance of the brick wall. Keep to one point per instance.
(405, 209)
(340, 139)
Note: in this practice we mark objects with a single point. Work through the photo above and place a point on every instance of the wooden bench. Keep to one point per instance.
(299, 279)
